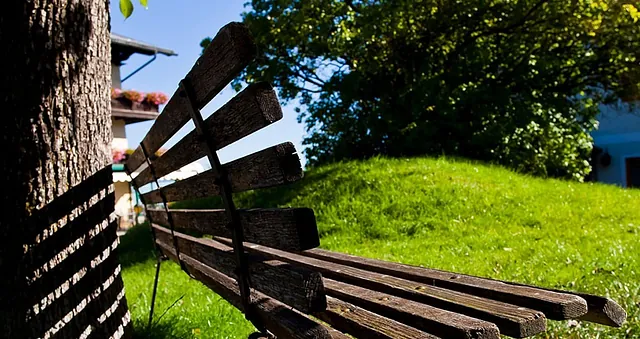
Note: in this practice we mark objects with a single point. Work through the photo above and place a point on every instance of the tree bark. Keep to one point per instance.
(56, 131)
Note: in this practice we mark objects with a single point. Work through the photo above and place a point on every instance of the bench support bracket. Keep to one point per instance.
(222, 180)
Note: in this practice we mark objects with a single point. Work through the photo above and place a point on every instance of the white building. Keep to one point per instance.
(121, 115)
(617, 147)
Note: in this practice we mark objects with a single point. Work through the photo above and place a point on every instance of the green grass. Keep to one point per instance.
(448, 214)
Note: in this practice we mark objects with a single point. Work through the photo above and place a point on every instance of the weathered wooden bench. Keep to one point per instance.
(265, 261)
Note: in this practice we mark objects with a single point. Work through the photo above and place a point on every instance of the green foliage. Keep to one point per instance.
(459, 216)
(126, 7)
(460, 77)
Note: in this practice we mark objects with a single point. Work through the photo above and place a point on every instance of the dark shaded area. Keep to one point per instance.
(73, 253)
(136, 246)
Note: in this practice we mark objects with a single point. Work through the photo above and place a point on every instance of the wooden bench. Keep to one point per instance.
(265, 261)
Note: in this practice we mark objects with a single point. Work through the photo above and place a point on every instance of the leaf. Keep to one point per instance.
(126, 8)
(144, 3)
(633, 12)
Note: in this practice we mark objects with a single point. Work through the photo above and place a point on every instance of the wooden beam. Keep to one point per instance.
(270, 167)
(230, 51)
(554, 305)
(512, 320)
(279, 318)
(289, 229)
(251, 110)
(297, 287)
(344, 300)
(361, 323)
(602, 310)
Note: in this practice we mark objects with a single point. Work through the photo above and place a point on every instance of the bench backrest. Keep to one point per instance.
(275, 286)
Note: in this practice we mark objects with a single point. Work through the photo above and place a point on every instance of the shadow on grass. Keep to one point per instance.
(136, 246)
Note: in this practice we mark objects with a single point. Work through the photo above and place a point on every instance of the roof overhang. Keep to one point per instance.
(123, 47)
(131, 116)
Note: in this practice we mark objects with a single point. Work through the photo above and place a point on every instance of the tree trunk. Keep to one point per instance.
(56, 130)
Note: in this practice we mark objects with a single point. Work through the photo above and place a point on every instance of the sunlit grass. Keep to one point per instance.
(448, 214)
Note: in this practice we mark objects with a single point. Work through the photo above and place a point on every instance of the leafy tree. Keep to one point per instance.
(516, 82)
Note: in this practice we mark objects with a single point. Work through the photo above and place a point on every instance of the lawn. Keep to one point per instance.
(442, 213)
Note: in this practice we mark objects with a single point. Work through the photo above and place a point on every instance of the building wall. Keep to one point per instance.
(115, 76)
(619, 136)
(119, 134)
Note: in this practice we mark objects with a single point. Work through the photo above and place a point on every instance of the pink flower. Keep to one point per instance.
(119, 155)
(116, 93)
(132, 95)
(156, 98)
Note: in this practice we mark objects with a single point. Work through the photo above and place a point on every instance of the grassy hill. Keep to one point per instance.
(449, 214)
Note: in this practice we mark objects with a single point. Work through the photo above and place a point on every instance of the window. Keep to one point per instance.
(633, 172)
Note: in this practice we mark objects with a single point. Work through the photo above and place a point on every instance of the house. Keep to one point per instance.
(617, 147)
(125, 112)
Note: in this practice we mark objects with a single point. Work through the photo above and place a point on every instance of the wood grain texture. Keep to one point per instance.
(230, 51)
(251, 110)
(297, 287)
(435, 321)
(602, 310)
(279, 318)
(512, 320)
(554, 305)
(289, 229)
(270, 167)
(361, 323)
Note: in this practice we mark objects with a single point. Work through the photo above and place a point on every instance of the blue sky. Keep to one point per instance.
(180, 26)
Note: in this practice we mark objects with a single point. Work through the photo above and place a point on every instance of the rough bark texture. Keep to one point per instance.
(56, 131)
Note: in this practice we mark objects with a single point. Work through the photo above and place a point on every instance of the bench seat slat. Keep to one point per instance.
(435, 321)
(228, 54)
(512, 320)
(554, 305)
(289, 229)
(361, 323)
(254, 108)
(297, 287)
(279, 318)
(270, 167)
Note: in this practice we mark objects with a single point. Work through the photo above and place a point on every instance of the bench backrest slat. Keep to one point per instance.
(252, 109)
(270, 167)
(229, 53)
(289, 229)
